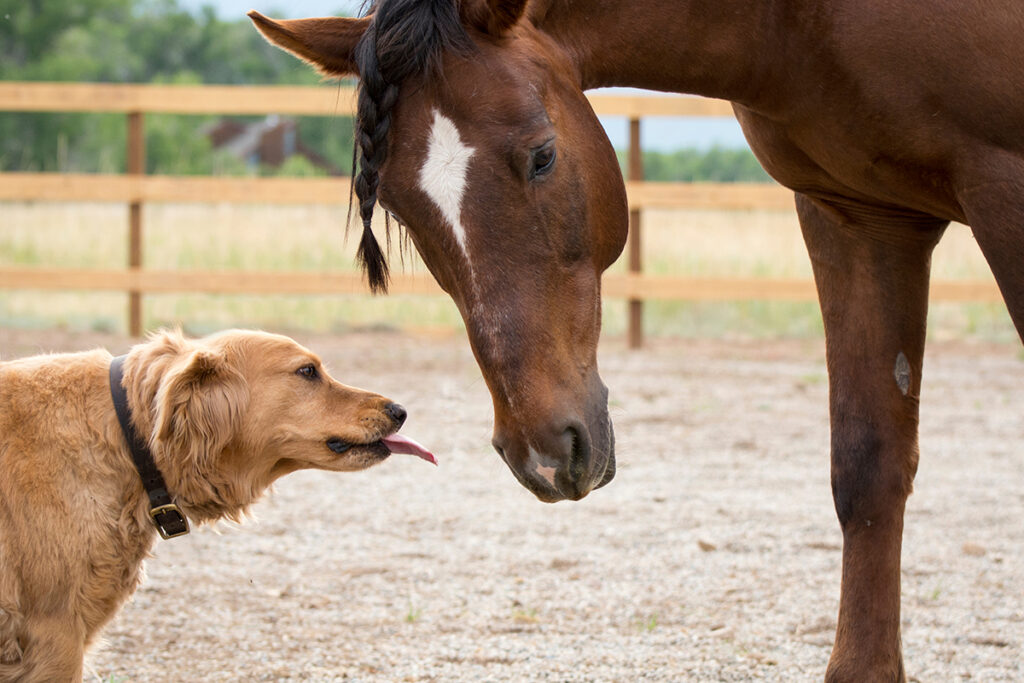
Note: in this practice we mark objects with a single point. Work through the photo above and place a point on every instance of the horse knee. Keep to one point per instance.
(872, 471)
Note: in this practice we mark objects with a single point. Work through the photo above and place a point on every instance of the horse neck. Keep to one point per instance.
(715, 48)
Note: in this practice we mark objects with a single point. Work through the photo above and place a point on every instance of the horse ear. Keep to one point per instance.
(496, 17)
(328, 44)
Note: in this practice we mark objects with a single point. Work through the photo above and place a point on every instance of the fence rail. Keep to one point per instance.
(338, 100)
(615, 285)
(206, 189)
(135, 189)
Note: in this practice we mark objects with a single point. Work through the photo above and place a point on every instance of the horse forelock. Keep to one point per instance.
(410, 35)
(405, 40)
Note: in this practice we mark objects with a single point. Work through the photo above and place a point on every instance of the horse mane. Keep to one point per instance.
(405, 39)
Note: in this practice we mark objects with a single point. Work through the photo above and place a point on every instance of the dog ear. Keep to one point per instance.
(328, 44)
(199, 406)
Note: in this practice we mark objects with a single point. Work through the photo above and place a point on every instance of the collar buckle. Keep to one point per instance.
(169, 521)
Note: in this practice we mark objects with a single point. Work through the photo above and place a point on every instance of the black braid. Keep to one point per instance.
(404, 40)
(376, 97)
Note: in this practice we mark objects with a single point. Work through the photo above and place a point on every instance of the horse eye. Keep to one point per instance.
(307, 371)
(543, 161)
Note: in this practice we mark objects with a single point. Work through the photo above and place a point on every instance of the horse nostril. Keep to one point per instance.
(579, 453)
(499, 447)
(396, 412)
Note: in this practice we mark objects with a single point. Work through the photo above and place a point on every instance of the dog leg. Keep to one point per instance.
(54, 649)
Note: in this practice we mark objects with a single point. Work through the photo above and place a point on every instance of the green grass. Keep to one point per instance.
(525, 616)
(413, 614)
(647, 623)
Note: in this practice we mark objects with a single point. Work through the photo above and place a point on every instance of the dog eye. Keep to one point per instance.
(308, 371)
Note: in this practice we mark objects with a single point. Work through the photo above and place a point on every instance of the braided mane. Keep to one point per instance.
(404, 40)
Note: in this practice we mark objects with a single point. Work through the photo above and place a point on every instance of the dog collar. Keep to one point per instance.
(169, 520)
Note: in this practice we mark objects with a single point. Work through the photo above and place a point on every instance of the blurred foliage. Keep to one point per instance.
(717, 164)
(138, 41)
(147, 41)
(135, 41)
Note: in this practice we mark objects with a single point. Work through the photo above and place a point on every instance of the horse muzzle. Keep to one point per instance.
(566, 460)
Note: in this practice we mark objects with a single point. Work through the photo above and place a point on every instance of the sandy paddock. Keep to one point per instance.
(713, 556)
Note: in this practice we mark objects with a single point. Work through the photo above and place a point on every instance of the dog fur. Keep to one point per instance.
(225, 416)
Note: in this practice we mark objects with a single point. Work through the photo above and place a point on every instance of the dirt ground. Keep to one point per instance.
(713, 556)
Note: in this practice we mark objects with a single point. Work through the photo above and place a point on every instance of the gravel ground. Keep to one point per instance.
(713, 556)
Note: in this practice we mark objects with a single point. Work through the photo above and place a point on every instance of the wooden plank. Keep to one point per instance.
(155, 188)
(648, 287)
(248, 190)
(642, 106)
(963, 291)
(72, 187)
(207, 281)
(337, 100)
(251, 190)
(635, 172)
(177, 99)
(719, 196)
(136, 166)
(615, 285)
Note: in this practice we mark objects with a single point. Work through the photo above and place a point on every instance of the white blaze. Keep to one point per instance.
(443, 176)
(443, 179)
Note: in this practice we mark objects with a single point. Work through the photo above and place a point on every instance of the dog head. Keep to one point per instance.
(235, 411)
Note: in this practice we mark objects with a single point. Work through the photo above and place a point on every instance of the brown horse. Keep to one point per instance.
(888, 119)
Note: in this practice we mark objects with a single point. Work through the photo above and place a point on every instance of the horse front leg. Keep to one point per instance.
(871, 269)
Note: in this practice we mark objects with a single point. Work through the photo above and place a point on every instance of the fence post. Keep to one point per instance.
(636, 173)
(136, 165)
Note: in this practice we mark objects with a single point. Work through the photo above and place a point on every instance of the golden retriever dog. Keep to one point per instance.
(223, 417)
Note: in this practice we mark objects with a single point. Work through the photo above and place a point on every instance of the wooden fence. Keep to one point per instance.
(135, 188)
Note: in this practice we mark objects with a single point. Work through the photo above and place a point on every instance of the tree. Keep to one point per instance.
(134, 41)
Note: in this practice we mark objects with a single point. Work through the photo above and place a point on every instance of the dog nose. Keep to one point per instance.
(396, 412)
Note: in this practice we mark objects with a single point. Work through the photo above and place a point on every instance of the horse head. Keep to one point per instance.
(473, 132)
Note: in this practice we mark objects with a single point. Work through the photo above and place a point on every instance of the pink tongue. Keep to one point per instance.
(397, 443)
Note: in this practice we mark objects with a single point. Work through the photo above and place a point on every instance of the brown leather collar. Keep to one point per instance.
(169, 520)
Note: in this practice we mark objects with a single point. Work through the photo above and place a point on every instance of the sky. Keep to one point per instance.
(656, 133)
